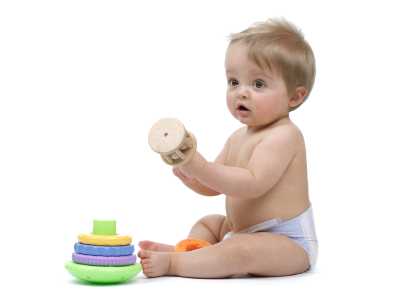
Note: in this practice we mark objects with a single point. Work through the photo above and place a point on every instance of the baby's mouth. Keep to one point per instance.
(242, 110)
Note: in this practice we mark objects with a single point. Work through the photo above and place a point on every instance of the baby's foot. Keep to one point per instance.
(155, 264)
(158, 247)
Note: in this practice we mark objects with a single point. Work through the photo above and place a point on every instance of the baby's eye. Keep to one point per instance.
(258, 84)
(233, 82)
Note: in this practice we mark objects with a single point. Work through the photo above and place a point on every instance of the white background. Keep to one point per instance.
(82, 82)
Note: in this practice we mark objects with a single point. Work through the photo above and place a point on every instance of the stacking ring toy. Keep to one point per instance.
(109, 251)
(103, 261)
(103, 274)
(190, 244)
(104, 233)
(103, 264)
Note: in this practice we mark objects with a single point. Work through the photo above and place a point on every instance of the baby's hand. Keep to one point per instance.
(185, 179)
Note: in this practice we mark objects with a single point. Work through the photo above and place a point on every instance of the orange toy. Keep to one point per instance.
(190, 244)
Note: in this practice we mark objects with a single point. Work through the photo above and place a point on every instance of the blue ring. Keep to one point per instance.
(109, 251)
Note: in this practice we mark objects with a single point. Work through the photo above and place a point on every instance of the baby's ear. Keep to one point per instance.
(298, 96)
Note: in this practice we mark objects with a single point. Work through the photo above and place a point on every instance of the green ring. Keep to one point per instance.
(103, 274)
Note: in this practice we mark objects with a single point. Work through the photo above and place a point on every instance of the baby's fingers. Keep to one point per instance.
(177, 172)
(184, 178)
(174, 171)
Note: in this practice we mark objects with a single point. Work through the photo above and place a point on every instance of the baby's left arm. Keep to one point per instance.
(269, 161)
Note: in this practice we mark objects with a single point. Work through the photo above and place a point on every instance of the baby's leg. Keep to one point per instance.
(261, 254)
(209, 228)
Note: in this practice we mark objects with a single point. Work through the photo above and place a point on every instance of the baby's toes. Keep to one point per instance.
(146, 264)
(146, 244)
(148, 268)
(143, 254)
(146, 261)
(154, 264)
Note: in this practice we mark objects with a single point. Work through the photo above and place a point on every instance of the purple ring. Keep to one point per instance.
(103, 261)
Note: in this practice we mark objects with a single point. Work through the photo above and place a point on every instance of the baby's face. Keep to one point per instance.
(254, 96)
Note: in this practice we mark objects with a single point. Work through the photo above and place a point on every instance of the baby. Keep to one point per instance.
(269, 228)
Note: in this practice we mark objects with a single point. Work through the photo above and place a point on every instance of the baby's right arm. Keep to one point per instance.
(197, 186)
(194, 184)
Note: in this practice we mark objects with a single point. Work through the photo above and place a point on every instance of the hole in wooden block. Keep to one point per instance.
(165, 134)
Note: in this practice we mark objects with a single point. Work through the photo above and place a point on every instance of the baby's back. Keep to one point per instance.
(287, 199)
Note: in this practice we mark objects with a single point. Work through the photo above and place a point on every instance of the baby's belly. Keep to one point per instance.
(243, 213)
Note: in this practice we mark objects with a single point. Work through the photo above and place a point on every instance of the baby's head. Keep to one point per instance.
(277, 61)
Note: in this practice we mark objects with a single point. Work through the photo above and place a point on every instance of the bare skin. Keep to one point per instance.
(263, 173)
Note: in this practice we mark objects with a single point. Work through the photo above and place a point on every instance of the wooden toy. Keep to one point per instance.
(169, 138)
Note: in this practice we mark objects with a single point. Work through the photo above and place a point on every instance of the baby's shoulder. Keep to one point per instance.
(287, 129)
(238, 132)
(286, 134)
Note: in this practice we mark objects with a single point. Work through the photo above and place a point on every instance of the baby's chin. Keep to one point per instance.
(248, 121)
(253, 123)
(245, 121)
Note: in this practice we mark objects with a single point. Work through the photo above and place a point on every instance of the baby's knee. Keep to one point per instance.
(210, 219)
(213, 223)
(243, 246)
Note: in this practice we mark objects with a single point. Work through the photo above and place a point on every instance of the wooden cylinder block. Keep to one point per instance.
(169, 138)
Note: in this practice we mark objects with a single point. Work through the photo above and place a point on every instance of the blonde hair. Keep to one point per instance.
(278, 45)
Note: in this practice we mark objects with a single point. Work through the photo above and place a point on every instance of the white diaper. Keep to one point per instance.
(255, 228)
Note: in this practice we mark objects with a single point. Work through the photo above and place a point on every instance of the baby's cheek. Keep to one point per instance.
(230, 105)
(266, 109)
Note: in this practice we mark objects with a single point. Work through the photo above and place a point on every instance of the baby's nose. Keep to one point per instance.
(242, 93)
